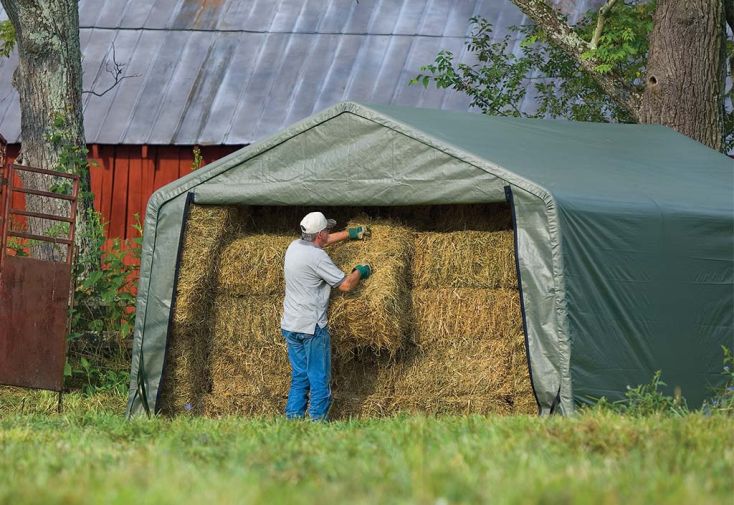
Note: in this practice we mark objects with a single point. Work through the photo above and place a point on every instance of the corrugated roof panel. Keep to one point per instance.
(286, 15)
(279, 98)
(110, 13)
(434, 20)
(136, 14)
(87, 13)
(335, 80)
(366, 66)
(253, 101)
(457, 20)
(228, 97)
(337, 15)
(410, 18)
(258, 18)
(161, 14)
(97, 79)
(309, 85)
(386, 16)
(207, 85)
(124, 98)
(360, 20)
(9, 101)
(388, 77)
(310, 16)
(175, 98)
(164, 56)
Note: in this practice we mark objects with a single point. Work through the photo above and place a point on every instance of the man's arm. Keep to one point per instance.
(337, 237)
(352, 280)
(356, 233)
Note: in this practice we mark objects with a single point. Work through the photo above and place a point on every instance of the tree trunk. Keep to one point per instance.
(685, 70)
(49, 82)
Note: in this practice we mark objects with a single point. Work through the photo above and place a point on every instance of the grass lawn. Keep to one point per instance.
(91, 454)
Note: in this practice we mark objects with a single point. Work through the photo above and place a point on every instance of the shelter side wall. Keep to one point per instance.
(161, 241)
(548, 349)
(650, 291)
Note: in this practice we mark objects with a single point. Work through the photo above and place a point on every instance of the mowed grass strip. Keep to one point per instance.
(92, 455)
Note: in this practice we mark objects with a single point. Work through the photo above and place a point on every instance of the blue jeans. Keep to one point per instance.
(310, 357)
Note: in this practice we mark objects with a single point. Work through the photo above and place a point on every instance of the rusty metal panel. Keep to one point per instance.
(34, 297)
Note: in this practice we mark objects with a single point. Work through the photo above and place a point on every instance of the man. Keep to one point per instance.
(309, 277)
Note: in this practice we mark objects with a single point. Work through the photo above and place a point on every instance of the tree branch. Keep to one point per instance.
(600, 20)
(116, 70)
(561, 35)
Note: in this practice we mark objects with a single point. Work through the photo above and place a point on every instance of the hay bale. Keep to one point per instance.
(249, 362)
(524, 401)
(185, 377)
(252, 264)
(464, 259)
(445, 315)
(377, 313)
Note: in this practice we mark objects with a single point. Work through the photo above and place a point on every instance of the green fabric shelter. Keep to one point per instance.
(624, 233)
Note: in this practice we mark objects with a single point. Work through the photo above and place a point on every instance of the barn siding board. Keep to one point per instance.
(107, 179)
(167, 166)
(120, 178)
(123, 179)
(134, 193)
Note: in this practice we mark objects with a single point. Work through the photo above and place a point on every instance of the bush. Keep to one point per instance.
(723, 400)
(103, 317)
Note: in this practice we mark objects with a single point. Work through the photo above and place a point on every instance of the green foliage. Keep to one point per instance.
(100, 380)
(198, 161)
(723, 400)
(646, 400)
(7, 38)
(498, 82)
(103, 316)
(72, 158)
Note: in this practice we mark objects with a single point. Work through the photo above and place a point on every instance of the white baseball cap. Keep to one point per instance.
(314, 222)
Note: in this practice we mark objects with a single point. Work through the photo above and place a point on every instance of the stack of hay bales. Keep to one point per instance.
(436, 329)
(249, 366)
(467, 323)
(185, 376)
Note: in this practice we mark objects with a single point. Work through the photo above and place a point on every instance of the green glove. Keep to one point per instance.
(364, 271)
(358, 232)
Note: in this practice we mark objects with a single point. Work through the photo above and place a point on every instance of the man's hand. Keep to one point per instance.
(358, 232)
(364, 271)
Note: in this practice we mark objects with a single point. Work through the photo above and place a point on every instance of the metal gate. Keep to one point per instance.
(34, 293)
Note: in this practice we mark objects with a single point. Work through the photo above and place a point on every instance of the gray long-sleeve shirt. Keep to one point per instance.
(309, 276)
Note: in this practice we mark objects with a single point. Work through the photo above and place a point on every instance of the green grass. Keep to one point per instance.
(91, 454)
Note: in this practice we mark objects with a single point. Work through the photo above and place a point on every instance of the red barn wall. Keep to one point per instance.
(124, 177)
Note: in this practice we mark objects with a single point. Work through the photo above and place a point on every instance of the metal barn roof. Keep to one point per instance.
(232, 71)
